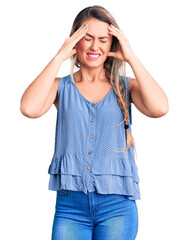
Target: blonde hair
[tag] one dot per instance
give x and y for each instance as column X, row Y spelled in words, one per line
column 113, row 67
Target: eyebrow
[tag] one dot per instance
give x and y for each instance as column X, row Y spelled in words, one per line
column 99, row 37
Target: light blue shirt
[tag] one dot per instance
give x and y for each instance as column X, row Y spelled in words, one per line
column 86, row 141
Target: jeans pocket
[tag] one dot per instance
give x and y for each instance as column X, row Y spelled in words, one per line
column 64, row 192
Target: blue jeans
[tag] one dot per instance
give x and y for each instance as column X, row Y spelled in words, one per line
column 81, row 216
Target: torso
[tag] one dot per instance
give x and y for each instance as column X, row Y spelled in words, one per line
column 92, row 92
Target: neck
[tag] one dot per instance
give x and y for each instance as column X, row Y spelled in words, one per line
column 91, row 75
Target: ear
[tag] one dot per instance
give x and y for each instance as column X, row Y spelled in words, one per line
column 75, row 47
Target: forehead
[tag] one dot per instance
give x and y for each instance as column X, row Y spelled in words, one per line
column 96, row 27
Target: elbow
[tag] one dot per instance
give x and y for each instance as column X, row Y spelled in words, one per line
column 27, row 113
column 27, row 110
column 165, row 109
column 162, row 112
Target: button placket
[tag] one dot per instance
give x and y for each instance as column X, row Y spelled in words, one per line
column 90, row 142
column 91, row 133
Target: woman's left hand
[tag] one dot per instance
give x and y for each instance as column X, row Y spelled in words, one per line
column 125, row 52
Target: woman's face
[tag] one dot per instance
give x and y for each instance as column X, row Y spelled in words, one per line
column 93, row 48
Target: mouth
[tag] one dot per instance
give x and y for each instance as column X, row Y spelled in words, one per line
column 93, row 56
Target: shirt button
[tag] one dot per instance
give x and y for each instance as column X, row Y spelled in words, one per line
column 91, row 136
column 88, row 167
column 93, row 104
column 92, row 120
column 90, row 152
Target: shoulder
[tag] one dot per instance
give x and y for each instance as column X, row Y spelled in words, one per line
column 57, row 85
column 132, row 83
column 56, row 82
column 128, row 81
column 60, row 81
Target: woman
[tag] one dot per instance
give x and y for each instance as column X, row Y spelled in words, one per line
column 96, row 183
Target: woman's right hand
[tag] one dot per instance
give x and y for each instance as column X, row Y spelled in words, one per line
column 66, row 51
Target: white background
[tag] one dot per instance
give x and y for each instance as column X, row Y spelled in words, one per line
column 31, row 34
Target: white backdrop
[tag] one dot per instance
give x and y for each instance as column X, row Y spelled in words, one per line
column 31, row 34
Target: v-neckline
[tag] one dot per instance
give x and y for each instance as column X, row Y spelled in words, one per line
column 87, row 99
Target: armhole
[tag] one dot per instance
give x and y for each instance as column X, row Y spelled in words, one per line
column 127, row 95
column 129, row 105
column 60, row 90
column 59, row 86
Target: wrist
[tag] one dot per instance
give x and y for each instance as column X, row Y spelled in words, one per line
column 60, row 57
column 132, row 59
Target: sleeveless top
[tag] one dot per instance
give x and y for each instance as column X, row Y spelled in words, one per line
column 86, row 141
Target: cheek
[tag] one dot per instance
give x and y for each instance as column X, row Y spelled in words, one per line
column 81, row 47
column 107, row 48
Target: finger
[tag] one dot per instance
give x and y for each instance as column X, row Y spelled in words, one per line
column 78, row 38
column 111, row 54
column 116, row 33
column 80, row 35
column 80, row 31
column 74, row 51
column 114, row 28
column 113, row 32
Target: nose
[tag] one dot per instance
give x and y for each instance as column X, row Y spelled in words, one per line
column 94, row 45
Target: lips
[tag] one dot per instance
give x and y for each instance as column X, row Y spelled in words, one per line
column 93, row 56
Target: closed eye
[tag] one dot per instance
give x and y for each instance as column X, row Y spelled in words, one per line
column 90, row 40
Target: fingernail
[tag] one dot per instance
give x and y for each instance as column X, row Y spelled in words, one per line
column 85, row 25
column 81, row 26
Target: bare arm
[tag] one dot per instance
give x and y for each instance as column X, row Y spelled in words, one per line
column 36, row 94
column 146, row 94
column 42, row 92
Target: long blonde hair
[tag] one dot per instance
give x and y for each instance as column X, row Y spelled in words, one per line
column 113, row 67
